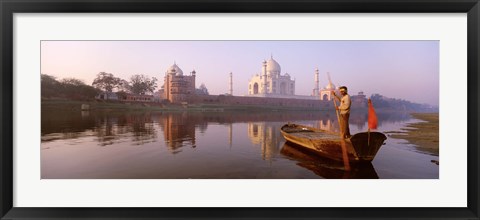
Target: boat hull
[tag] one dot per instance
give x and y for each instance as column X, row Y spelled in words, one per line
column 361, row 147
column 325, row 167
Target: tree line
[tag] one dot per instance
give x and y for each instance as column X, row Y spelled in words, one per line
column 71, row 88
column 383, row 102
column 139, row 84
column 68, row 88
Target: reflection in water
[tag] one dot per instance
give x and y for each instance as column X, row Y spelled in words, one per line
column 327, row 125
column 230, row 135
column 107, row 131
column 110, row 129
column 325, row 167
column 85, row 114
column 178, row 131
column 142, row 128
column 200, row 145
column 358, row 121
column 58, row 125
column 266, row 136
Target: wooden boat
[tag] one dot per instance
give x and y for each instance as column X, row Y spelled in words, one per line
column 329, row 144
column 325, row 167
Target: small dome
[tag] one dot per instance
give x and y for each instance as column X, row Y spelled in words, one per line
column 175, row 70
column 273, row 66
column 330, row 86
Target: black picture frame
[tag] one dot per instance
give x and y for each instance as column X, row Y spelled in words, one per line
column 9, row 7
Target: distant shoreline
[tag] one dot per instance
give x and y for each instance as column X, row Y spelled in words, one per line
column 425, row 134
column 101, row 105
column 75, row 105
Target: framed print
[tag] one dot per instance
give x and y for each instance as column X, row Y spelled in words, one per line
column 230, row 109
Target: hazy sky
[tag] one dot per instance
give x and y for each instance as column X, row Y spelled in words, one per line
column 397, row 69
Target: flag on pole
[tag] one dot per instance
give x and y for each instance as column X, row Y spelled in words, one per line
column 372, row 117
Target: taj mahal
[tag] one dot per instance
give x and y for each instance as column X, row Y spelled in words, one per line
column 272, row 83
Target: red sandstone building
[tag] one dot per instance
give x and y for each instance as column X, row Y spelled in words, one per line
column 177, row 87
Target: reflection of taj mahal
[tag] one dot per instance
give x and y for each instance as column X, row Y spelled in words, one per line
column 267, row 136
column 327, row 124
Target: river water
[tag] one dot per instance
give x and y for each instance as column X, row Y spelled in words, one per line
column 212, row 145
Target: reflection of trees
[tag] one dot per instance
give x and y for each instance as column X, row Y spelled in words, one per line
column 142, row 128
column 360, row 119
column 139, row 127
column 392, row 117
column 64, row 124
column 107, row 127
column 105, row 130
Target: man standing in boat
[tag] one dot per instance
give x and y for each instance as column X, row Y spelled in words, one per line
column 344, row 108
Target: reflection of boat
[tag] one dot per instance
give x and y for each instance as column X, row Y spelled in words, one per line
column 327, row 168
column 328, row 144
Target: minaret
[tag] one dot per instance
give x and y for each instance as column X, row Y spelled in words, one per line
column 265, row 77
column 192, row 81
column 231, row 84
column 317, row 83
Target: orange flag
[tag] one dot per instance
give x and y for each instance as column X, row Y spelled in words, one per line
column 372, row 117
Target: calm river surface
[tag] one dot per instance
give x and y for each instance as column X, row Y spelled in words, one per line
column 211, row 145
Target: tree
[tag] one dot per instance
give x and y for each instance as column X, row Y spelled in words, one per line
column 69, row 88
column 49, row 86
column 76, row 89
column 124, row 86
column 106, row 81
column 141, row 84
column 72, row 82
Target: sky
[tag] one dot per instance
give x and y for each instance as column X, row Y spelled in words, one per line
column 397, row 69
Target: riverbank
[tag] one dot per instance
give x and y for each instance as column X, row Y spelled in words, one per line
column 111, row 106
column 425, row 134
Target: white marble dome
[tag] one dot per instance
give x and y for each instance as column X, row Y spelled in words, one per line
column 273, row 66
column 175, row 70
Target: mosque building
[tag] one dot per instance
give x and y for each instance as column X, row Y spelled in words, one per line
column 326, row 92
column 177, row 87
column 270, row 82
